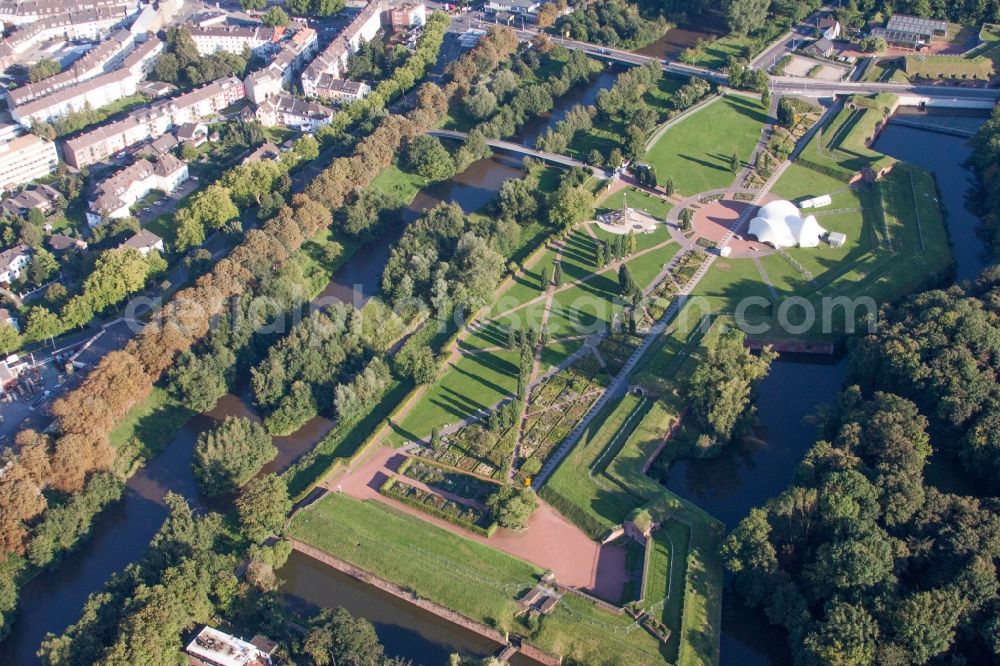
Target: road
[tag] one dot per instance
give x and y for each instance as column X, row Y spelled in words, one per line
column 779, row 84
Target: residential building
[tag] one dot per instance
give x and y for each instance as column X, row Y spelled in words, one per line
column 92, row 24
column 211, row 39
column 26, row 158
column 195, row 133
column 7, row 317
column 60, row 243
column 152, row 122
column 822, row 48
column 333, row 59
column 290, row 59
column 116, row 195
column 155, row 88
column 911, row 32
column 43, row 197
column 145, row 241
column 340, row 90
column 268, row 151
column 12, row 262
column 216, row 648
column 11, row 368
column 407, row 15
column 139, row 62
column 829, row 27
column 291, row 112
column 513, row 6
column 101, row 59
column 94, row 93
column 27, row 12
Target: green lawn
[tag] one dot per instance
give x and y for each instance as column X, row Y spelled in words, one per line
column 665, row 576
column 637, row 199
column 400, row 185
column 475, row 381
column 153, row 423
column 696, row 151
column 716, row 53
column 475, row 580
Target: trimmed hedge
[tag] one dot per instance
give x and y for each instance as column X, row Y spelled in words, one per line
column 388, row 489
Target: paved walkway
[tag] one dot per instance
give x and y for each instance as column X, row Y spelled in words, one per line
column 550, row 542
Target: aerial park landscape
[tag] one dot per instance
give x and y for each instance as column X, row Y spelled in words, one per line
column 560, row 346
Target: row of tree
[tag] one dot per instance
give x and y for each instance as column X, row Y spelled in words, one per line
column 614, row 23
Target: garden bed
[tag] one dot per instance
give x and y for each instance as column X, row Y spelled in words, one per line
column 452, row 481
column 471, row 518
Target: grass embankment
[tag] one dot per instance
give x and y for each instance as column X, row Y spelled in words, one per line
column 696, row 152
column 472, row 579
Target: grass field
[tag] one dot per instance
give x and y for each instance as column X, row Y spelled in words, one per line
column 474, row 382
column 698, row 159
column 716, row 53
column 637, row 199
column 472, row 579
column 153, row 423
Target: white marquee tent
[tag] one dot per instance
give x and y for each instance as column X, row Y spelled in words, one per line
column 779, row 224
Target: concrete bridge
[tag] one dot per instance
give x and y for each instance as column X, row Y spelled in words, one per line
column 516, row 148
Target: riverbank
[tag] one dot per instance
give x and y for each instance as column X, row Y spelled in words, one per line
column 368, row 578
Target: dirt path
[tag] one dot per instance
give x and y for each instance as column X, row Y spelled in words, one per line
column 550, row 542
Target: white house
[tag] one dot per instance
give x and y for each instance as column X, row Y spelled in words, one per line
column 117, row 194
column 513, row 6
column 212, row 646
column 291, row 112
column 235, row 39
column 13, row 261
column 26, row 158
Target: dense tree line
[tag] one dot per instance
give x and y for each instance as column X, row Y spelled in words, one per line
column 861, row 559
column 614, row 23
column 985, row 161
column 230, row 454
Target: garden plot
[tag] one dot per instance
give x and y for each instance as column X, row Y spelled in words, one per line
column 474, row 448
column 556, row 406
column 616, row 349
column 441, row 478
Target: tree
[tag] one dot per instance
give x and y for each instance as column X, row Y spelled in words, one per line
column 848, row 636
column 417, row 363
column 924, row 623
column 627, row 286
column 557, row 274
column 482, row 103
column 263, row 505
column 512, row 507
column 734, row 163
column 744, row 16
column 595, row 158
column 546, row 277
column 10, row 341
column 720, row 386
column 41, row 324
column 299, row 7
column 787, row 113
column 765, row 97
column 873, row 44
column 229, row 455
column 190, row 230
column 199, row 382
column 570, row 205
column 275, row 16
column 43, row 69
column 686, row 217
column 336, row 638
column 426, row 157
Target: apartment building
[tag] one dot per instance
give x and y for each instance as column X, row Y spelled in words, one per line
column 91, row 24
column 116, row 195
column 333, row 59
column 101, row 59
column 140, row 60
column 27, row 12
column 95, row 93
column 340, row 90
column 152, row 122
column 291, row 112
column 25, row 158
column 292, row 57
column 407, row 15
column 211, row 39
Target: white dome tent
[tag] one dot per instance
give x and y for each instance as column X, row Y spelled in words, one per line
column 779, row 224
